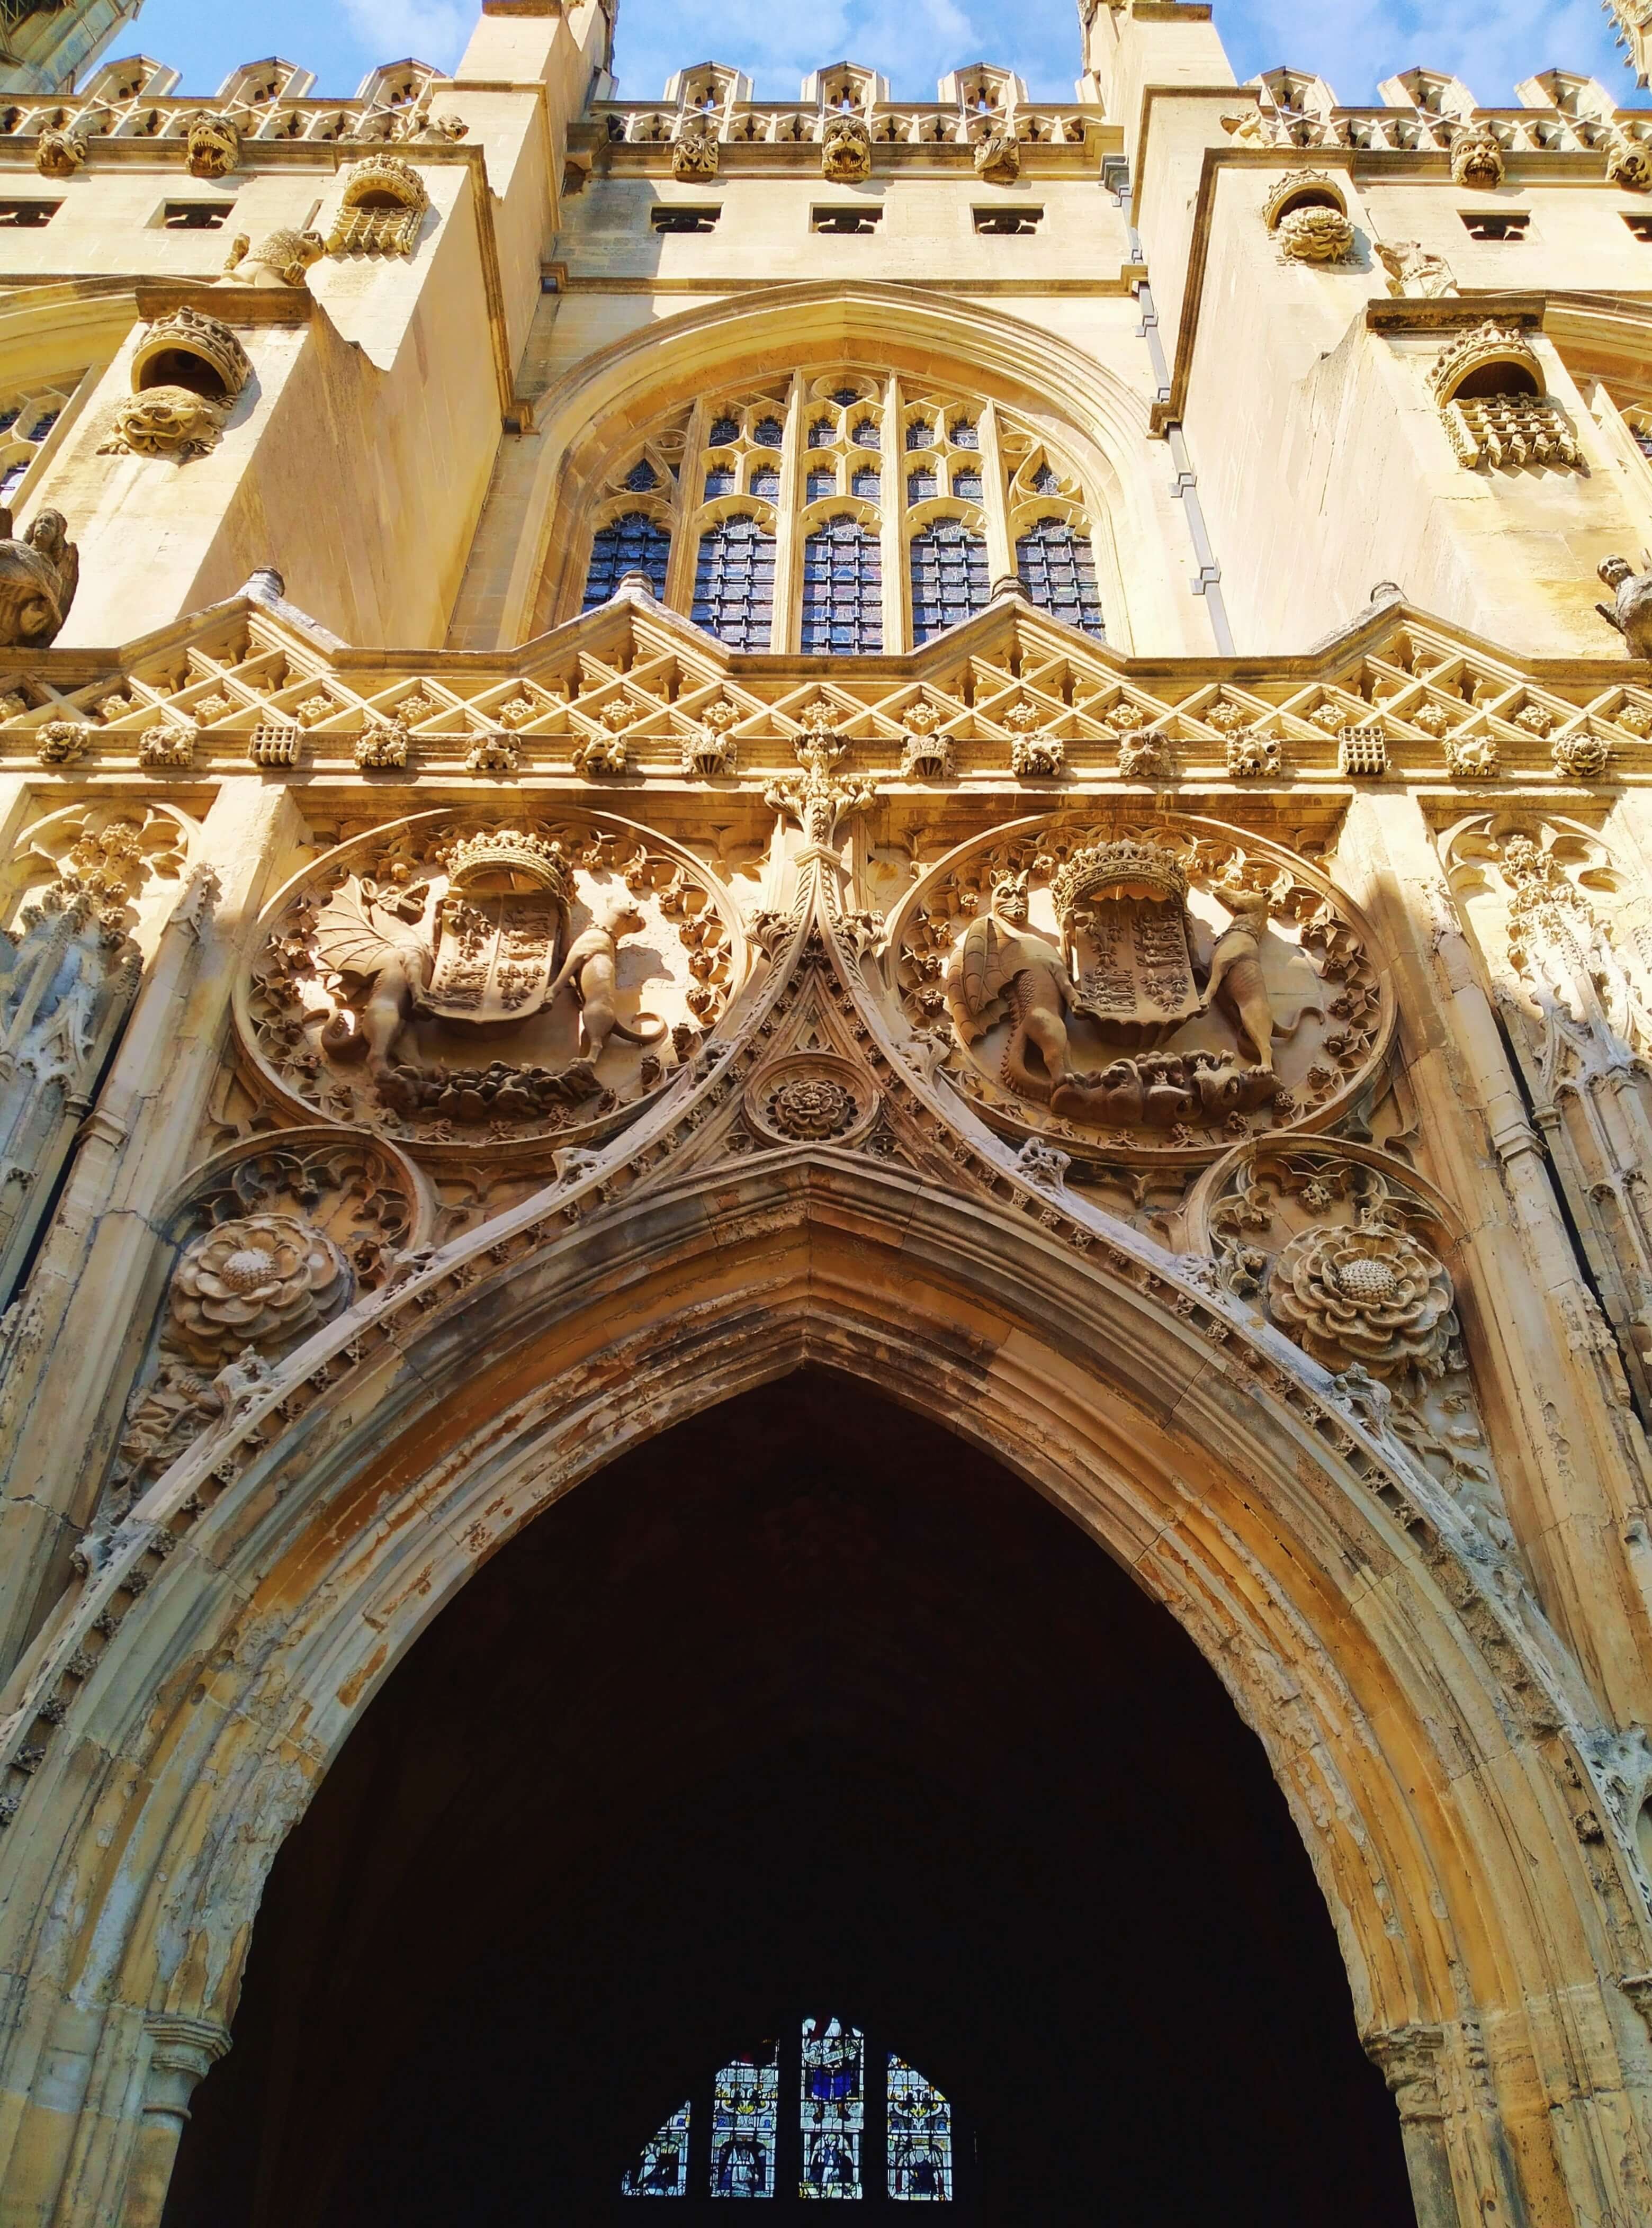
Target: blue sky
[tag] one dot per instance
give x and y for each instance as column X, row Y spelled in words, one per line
column 1489, row 44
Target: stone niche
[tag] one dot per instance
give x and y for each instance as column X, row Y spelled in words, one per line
column 188, row 372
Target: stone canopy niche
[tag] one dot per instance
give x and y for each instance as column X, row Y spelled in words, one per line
column 1164, row 992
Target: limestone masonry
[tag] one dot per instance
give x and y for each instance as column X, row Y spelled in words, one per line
column 1003, row 744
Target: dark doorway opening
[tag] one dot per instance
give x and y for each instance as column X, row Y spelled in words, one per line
column 804, row 1702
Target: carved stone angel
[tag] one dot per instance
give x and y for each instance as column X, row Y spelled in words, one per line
column 38, row 577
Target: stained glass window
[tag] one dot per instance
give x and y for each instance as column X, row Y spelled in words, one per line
column 822, row 484
column 663, row 2170
column 634, row 543
column 965, row 435
column 1045, row 482
column 822, row 433
column 642, row 479
column 949, row 576
column 765, row 482
column 720, row 480
column 723, row 430
column 865, row 434
column 832, row 2108
column 745, row 2106
column 868, row 483
column 920, row 2148
column 966, row 486
column 1058, row 570
column 920, row 485
column 733, row 584
column 842, row 590
column 843, row 396
column 920, row 434
column 768, row 433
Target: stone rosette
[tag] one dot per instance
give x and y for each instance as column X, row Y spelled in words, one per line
column 263, row 1280
column 1372, row 1294
column 812, row 1098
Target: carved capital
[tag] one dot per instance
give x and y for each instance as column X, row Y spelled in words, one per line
column 1408, row 2058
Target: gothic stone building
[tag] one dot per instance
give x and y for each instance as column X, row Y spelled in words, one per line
column 825, row 1138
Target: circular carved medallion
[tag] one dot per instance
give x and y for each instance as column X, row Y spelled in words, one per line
column 811, row 1098
column 458, row 982
column 1160, row 991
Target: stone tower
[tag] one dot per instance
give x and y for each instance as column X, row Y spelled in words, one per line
column 828, row 990
column 45, row 44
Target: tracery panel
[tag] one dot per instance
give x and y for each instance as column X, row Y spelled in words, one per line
column 632, row 543
column 949, row 576
column 733, row 588
column 843, row 588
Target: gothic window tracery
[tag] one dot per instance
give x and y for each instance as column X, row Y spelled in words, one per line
column 867, row 2126
column 847, row 512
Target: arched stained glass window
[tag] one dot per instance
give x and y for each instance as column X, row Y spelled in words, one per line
column 635, row 543
column 642, row 479
column 724, row 430
column 919, row 2154
column 869, row 2127
column 842, row 590
column 745, row 2104
column 866, row 434
column 920, row 484
column 733, row 584
column 920, row 434
column 1058, row 570
column 769, row 432
column 832, row 2108
column 720, row 480
column 765, row 482
column 949, row 576
column 822, row 433
column 663, row 2170
column 822, row 483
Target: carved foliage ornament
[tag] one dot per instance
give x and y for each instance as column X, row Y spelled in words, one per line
column 460, row 983
column 1165, row 991
column 695, row 153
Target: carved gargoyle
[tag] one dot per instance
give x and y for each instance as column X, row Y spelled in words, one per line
column 39, row 574
column 1632, row 612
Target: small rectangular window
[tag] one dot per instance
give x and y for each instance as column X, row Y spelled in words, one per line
column 195, row 216
column 1507, row 225
column 28, row 216
column 848, row 223
column 1639, row 224
column 678, row 219
column 1008, row 223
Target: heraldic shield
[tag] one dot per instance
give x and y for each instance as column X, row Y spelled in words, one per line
column 1124, row 912
column 500, row 931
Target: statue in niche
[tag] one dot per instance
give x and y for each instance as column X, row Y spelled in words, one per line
column 39, row 574
column 1125, row 975
column 1631, row 611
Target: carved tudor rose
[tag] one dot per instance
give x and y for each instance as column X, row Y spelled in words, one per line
column 1373, row 1295
column 473, row 985
column 811, row 1098
column 266, row 1280
column 1167, row 989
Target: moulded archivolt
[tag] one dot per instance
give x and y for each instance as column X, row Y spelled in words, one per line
column 486, row 979
column 1155, row 990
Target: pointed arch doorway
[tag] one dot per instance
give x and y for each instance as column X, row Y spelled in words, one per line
column 806, row 1704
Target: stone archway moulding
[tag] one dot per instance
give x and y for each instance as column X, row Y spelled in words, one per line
column 625, row 385
column 1426, row 1727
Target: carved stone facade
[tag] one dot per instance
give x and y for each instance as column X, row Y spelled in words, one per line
column 844, row 879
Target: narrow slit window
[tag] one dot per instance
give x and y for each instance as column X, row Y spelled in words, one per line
column 1639, row 224
column 28, row 216
column 846, row 223
column 635, row 543
column 1008, row 223
column 1507, row 226
column 685, row 219
column 195, row 216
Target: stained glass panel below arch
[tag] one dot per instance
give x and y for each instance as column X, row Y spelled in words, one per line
column 843, row 591
column 920, row 2148
column 948, row 577
column 733, row 585
column 832, row 2108
column 745, row 2108
column 663, row 2170
column 1058, row 570
column 634, row 543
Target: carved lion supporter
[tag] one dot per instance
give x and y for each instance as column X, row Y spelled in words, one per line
column 1631, row 611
